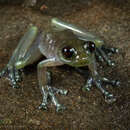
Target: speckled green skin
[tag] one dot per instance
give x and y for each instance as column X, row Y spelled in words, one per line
column 34, row 44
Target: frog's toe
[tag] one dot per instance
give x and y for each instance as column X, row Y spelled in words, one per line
column 109, row 98
column 102, row 56
column 15, row 85
column 117, row 83
column 12, row 75
column 18, row 76
column 60, row 91
column 98, row 56
column 110, row 51
column 86, row 88
column 60, row 108
column 13, row 81
column 112, row 82
column 43, row 106
column 48, row 93
column 88, row 85
column 54, row 100
column 65, row 92
column 110, row 63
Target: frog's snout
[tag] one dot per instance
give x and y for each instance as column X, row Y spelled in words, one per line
column 90, row 46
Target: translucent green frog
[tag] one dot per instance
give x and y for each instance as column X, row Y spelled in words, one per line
column 64, row 44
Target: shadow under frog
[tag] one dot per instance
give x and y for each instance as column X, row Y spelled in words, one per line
column 64, row 44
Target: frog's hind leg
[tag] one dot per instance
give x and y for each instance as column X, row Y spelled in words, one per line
column 25, row 53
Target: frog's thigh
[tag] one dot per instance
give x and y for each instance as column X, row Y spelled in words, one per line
column 24, row 45
column 31, row 56
column 29, row 53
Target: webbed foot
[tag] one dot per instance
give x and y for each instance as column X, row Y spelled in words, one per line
column 12, row 74
column 103, row 53
column 49, row 93
column 109, row 98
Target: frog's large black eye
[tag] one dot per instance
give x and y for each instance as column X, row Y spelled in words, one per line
column 90, row 46
column 68, row 52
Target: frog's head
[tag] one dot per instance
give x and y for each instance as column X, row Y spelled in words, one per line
column 76, row 52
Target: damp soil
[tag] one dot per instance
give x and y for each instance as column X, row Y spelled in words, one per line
column 85, row 110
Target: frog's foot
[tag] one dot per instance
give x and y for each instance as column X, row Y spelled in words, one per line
column 49, row 93
column 13, row 75
column 110, row 51
column 103, row 53
column 109, row 98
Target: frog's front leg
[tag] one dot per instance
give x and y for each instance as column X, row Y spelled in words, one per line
column 88, row 84
column 103, row 52
column 47, row 91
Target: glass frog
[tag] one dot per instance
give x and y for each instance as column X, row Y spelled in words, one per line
column 64, row 44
